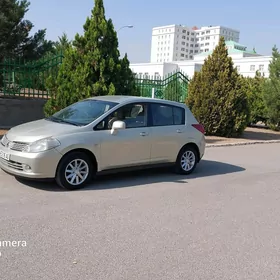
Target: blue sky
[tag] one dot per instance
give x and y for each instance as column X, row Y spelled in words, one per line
column 258, row 21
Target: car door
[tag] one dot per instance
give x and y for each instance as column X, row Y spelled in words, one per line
column 130, row 146
column 168, row 132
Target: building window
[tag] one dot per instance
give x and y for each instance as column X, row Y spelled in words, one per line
column 192, row 34
column 191, row 57
column 188, row 38
column 202, row 45
column 261, row 67
column 191, row 45
column 252, row 68
column 208, row 32
column 183, row 37
column 187, row 44
column 184, row 31
column 182, row 49
column 188, row 33
column 186, row 56
column 196, row 51
column 207, row 38
column 183, row 43
column 192, row 39
column 206, row 44
column 191, row 51
column 196, row 45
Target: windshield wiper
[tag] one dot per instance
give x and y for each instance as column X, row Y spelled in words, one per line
column 54, row 119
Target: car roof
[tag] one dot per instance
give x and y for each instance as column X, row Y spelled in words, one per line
column 128, row 99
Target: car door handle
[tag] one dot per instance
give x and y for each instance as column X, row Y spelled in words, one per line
column 143, row 133
column 179, row 131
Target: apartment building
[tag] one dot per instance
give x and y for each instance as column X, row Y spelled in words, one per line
column 179, row 43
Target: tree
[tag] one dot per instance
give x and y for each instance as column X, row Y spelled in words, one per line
column 62, row 44
column 272, row 91
column 92, row 66
column 15, row 40
column 254, row 88
column 216, row 96
column 128, row 82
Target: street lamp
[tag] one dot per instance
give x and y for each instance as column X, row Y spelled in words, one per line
column 125, row 26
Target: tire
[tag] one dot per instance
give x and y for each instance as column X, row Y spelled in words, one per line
column 80, row 180
column 181, row 166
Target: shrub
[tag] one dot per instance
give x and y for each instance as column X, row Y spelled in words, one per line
column 217, row 97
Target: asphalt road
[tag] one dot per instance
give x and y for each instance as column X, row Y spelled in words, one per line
column 223, row 222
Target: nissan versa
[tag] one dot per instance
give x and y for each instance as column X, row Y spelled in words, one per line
column 104, row 133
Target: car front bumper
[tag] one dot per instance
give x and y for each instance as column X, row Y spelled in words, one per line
column 30, row 165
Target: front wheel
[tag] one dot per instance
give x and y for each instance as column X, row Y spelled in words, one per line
column 74, row 171
column 186, row 161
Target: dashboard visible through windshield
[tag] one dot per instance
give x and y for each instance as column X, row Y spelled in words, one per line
column 83, row 112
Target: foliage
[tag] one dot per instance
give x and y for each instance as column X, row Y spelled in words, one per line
column 216, row 95
column 15, row 40
column 254, row 89
column 92, row 65
column 272, row 91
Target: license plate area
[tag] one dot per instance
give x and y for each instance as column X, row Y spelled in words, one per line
column 4, row 155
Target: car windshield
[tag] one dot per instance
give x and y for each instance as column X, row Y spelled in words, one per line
column 83, row 112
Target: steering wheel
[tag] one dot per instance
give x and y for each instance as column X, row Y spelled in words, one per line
column 111, row 121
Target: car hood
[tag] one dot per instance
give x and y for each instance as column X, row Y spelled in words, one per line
column 36, row 130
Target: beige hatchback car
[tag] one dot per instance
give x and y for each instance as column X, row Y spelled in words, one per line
column 106, row 133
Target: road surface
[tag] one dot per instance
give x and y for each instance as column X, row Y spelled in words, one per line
column 222, row 222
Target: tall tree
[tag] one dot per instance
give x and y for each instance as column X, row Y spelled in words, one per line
column 15, row 40
column 93, row 66
column 254, row 88
column 216, row 96
column 272, row 91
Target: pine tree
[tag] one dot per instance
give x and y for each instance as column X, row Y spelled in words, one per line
column 128, row 82
column 92, row 66
column 15, row 39
column 216, row 95
column 272, row 91
column 254, row 88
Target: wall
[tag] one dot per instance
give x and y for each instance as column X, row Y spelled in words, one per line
column 17, row 111
column 189, row 67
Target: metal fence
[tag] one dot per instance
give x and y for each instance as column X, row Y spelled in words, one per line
column 28, row 79
column 173, row 86
column 20, row 78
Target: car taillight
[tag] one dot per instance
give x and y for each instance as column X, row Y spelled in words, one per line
column 199, row 127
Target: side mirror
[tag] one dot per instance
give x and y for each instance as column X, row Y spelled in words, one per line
column 117, row 125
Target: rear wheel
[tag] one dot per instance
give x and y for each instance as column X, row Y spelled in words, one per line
column 187, row 160
column 75, row 171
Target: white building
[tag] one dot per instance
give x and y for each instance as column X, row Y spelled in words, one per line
column 246, row 61
column 177, row 42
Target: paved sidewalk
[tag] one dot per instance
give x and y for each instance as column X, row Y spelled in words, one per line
column 250, row 136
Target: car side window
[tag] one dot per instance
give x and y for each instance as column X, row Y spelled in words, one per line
column 133, row 115
column 165, row 115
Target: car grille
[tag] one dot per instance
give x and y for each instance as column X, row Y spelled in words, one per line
column 12, row 164
column 15, row 146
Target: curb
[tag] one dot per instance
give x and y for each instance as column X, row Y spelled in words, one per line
column 242, row 143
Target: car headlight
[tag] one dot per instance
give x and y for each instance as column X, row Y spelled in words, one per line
column 42, row 145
